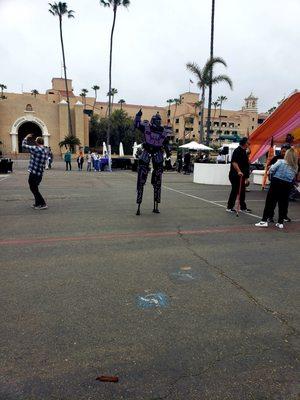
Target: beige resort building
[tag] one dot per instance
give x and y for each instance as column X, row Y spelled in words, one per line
column 47, row 115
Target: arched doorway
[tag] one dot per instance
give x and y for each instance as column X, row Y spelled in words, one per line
column 24, row 130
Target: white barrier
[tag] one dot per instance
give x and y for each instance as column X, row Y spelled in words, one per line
column 258, row 176
column 211, row 174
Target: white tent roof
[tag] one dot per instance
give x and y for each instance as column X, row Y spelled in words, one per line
column 195, row 146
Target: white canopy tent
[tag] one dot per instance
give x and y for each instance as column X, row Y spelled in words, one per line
column 195, row 146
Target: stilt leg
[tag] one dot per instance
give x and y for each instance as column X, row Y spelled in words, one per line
column 155, row 209
column 138, row 212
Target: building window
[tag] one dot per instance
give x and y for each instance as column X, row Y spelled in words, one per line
column 29, row 107
column 176, row 130
column 216, row 123
column 169, row 120
column 177, row 120
column 252, row 119
column 252, row 127
column 239, row 124
column 223, row 124
column 231, row 124
column 260, row 120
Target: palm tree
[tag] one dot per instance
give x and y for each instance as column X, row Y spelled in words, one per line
column 177, row 102
column 34, row 93
column 113, row 93
column 83, row 94
column 215, row 104
column 2, row 87
column 114, row 4
column 221, row 100
column 170, row 101
column 204, row 78
column 95, row 88
column 70, row 141
column 197, row 105
column 212, row 26
column 121, row 102
column 59, row 10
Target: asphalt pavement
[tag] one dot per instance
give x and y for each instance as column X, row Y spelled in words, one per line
column 191, row 303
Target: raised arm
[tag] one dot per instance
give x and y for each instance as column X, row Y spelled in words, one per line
column 27, row 146
column 138, row 121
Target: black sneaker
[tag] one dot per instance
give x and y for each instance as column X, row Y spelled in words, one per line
column 247, row 210
column 287, row 219
column 270, row 220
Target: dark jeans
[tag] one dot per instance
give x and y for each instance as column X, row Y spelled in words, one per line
column 235, row 186
column 278, row 193
column 68, row 163
column 34, row 181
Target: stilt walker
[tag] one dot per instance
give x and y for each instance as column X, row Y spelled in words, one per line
column 155, row 143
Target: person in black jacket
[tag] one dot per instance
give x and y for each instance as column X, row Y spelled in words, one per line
column 239, row 176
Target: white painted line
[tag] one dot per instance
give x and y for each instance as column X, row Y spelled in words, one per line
column 4, row 177
column 225, row 201
column 205, row 200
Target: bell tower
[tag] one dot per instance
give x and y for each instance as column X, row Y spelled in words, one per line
column 250, row 103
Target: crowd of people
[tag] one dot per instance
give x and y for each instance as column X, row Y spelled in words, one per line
column 94, row 161
column 283, row 171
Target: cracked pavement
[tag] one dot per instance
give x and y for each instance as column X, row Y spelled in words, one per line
column 70, row 275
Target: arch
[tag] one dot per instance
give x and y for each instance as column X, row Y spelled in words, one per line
column 26, row 128
column 20, row 121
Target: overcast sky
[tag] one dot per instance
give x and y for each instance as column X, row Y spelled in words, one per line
column 153, row 41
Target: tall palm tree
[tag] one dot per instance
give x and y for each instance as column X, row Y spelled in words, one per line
column 114, row 4
column 221, row 100
column 2, row 87
column 204, row 78
column 197, row 105
column 113, row 93
column 34, row 93
column 170, row 101
column 83, row 94
column 215, row 105
column 212, row 26
column 176, row 102
column 59, row 10
column 121, row 102
column 95, row 88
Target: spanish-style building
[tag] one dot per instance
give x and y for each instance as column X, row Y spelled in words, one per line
column 47, row 115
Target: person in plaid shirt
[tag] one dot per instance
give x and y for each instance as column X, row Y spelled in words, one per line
column 38, row 157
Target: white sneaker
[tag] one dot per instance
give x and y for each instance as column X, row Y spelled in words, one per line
column 280, row 226
column 41, row 207
column 230, row 210
column 262, row 224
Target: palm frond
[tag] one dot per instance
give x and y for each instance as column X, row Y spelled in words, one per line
column 105, row 3
column 222, row 78
column 209, row 65
column 195, row 69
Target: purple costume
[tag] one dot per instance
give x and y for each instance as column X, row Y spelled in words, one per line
column 154, row 144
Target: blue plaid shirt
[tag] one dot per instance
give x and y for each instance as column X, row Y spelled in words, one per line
column 38, row 157
column 281, row 170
